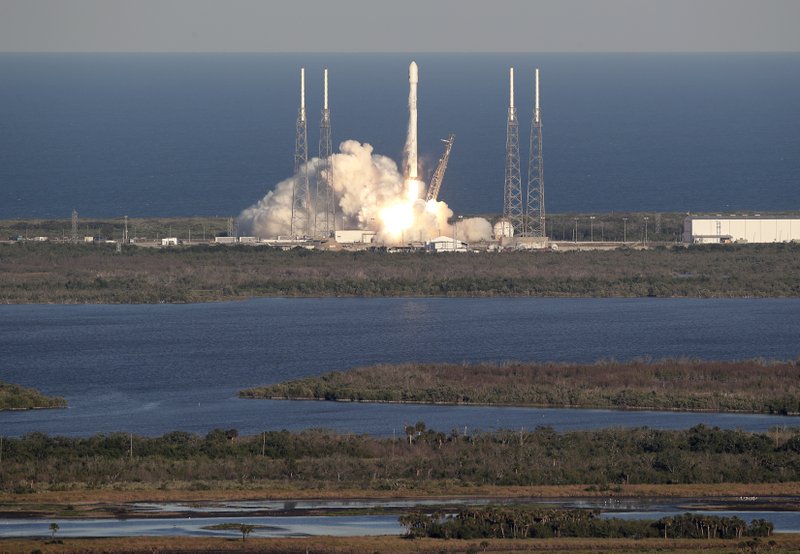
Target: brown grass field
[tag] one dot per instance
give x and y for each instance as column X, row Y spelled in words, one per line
column 369, row 545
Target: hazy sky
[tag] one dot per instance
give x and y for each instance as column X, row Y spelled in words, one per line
column 399, row 26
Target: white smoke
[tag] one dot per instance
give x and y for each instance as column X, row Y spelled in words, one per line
column 370, row 194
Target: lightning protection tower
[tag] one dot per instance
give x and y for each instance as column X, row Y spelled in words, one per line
column 325, row 171
column 512, row 198
column 534, row 208
column 301, row 201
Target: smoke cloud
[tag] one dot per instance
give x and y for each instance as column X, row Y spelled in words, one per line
column 370, row 194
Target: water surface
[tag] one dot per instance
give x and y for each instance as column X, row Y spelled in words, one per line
column 152, row 369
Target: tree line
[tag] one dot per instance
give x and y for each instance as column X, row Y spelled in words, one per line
column 17, row 397
column 522, row 522
column 68, row 273
column 690, row 385
column 421, row 458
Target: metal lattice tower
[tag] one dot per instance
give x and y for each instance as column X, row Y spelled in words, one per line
column 74, row 227
column 324, row 179
column 301, row 193
column 512, row 198
column 438, row 175
column 534, row 208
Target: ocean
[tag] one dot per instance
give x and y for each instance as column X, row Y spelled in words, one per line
column 210, row 134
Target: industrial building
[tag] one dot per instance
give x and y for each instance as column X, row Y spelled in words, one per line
column 749, row 229
column 446, row 244
column 354, row 236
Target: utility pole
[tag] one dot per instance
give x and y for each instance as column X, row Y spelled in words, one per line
column 624, row 230
column 74, row 227
column 575, row 234
column 591, row 227
column 125, row 232
column 646, row 218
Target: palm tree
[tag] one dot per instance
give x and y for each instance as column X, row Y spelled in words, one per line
column 245, row 530
column 666, row 522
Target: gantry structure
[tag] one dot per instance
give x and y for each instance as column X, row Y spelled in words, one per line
column 512, row 196
column 325, row 222
column 534, row 207
column 301, row 193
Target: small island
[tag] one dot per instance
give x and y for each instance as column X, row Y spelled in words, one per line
column 16, row 397
column 683, row 385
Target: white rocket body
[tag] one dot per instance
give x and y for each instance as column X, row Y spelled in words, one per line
column 411, row 141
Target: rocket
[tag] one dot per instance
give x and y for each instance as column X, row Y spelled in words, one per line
column 411, row 141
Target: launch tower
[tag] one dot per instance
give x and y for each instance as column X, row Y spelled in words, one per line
column 438, row 175
column 512, row 197
column 301, row 200
column 325, row 195
column 534, row 208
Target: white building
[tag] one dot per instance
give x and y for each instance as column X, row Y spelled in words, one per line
column 750, row 229
column 169, row 241
column 353, row 236
column 445, row 244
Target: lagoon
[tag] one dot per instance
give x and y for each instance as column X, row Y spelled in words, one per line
column 151, row 369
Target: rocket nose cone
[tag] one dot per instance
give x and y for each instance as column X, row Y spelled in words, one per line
column 413, row 75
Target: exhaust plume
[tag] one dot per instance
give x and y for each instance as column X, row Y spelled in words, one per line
column 371, row 194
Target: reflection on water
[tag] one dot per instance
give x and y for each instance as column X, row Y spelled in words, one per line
column 336, row 526
column 294, row 526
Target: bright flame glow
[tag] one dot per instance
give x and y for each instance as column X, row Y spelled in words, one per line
column 397, row 218
column 413, row 188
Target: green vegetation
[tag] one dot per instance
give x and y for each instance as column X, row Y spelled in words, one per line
column 522, row 522
column 244, row 528
column 421, row 460
column 689, row 385
column 67, row 273
column 15, row 397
